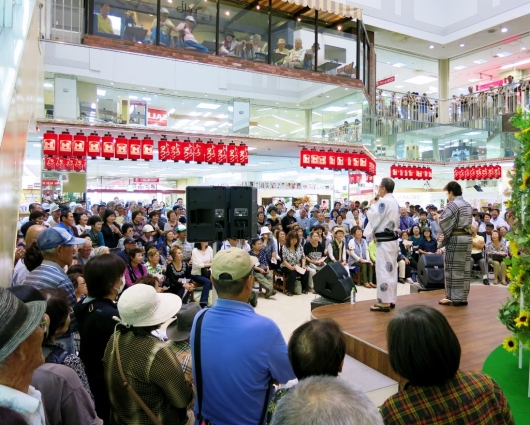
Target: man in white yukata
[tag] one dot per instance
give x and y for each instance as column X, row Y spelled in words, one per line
column 383, row 220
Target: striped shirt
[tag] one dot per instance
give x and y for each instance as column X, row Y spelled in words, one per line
column 470, row 398
column 51, row 275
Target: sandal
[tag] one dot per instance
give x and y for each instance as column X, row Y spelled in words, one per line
column 504, row 283
column 445, row 301
column 289, row 294
column 495, row 282
column 381, row 308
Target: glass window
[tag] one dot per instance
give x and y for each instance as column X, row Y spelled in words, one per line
column 338, row 48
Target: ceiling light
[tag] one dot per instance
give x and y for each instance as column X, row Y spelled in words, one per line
column 503, row 54
column 92, row 106
column 227, row 13
column 299, row 19
column 171, row 111
column 504, row 29
column 147, row 99
column 433, row 89
column 251, row 148
column 399, row 87
column 334, row 109
column 48, row 85
column 283, row 119
column 258, row 7
column 421, row 79
column 206, row 114
column 133, row 97
column 339, row 27
column 462, row 45
column 399, row 65
column 459, row 67
column 479, row 61
column 208, row 105
column 473, row 80
column 222, row 116
column 512, row 65
column 523, row 48
column 431, row 46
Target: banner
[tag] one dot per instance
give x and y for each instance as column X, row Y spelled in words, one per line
column 157, row 117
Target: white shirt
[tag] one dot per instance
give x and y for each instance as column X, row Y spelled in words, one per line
column 19, row 273
column 28, row 405
column 200, row 258
column 499, row 222
column 51, row 222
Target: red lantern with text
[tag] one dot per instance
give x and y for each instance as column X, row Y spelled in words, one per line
column 371, row 167
column 107, row 146
column 175, row 150
column 472, row 173
column 65, row 144
column 242, row 153
column 135, row 148
column 79, row 164
column 60, row 164
column 49, row 163
column 79, row 145
column 93, row 146
column 351, row 178
column 49, row 143
column 220, row 153
column 484, row 172
column 231, row 153
column 199, row 151
column 210, row 152
column 187, row 150
column 363, row 163
column 164, row 153
column 478, row 172
column 315, row 158
column 148, row 149
column 122, row 147
column 393, row 171
column 331, row 158
column 498, row 172
column 342, row 160
column 491, row 172
column 305, row 158
column 69, row 164
column 369, row 179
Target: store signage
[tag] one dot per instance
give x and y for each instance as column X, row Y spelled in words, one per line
column 337, row 160
column 480, row 172
column 49, row 182
column 146, row 180
column 486, row 86
column 36, row 185
column 386, row 81
column 157, row 117
column 410, row 172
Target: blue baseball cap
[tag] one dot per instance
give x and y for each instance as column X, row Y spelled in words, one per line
column 54, row 237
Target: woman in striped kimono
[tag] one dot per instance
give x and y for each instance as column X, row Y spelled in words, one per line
column 455, row 225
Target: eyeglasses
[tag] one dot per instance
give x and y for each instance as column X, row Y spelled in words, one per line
column 45, row 324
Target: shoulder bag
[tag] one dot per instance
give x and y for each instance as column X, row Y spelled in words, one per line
column 133, row 393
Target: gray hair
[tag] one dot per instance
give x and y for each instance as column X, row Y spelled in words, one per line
column 388, row 184
column 343, row 404
column 49, row 252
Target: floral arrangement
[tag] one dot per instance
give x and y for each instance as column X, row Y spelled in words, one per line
column 515, row 314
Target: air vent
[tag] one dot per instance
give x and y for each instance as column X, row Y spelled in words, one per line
column 491, row 31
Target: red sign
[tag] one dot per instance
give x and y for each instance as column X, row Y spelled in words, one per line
column 80, row 145
column 385, row 81
column 157, row 117
column 486, row 86
column 45, row 183
column 164, row 152
column 146, row 180
column 199, row 152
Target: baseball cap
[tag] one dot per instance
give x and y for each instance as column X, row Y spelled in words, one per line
column 431, row 207
column 128, row 240
column 164, row 10
column 180, row 228
column 54, row 237
column 148, row 228
column 190, row 18
column 180, row 329
column 54, row 207
column 45, row 206
column 232, row 264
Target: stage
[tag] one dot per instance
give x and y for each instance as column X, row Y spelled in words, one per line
column 476, row 325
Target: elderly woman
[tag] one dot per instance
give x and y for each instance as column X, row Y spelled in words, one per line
column 136, row 267
column 104, row 279
column 172, row 221
column 337, row 250
column 424, row 350
column 154, row 267
column 96, row 237
column 293, row 264
column 134, row 355
column 360, row 257
column 497, row 251
column 110, row 229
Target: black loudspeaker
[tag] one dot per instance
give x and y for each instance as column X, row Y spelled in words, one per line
column 207, row 218
column 333, row 282
column 431, row 271
column 243, row 212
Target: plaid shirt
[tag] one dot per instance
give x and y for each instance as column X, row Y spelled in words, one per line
column 187, row 248
column 470, row 398
column 182, row 352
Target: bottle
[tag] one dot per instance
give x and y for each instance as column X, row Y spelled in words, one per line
column 352, row 295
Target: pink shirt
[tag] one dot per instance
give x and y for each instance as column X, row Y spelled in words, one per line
column 188, row 36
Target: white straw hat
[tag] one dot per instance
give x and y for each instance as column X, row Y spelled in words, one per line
column 141, row 305
column 264, row 230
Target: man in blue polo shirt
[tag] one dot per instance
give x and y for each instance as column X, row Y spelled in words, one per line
column 242, row 353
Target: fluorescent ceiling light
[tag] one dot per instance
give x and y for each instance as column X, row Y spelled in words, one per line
column 504, row 54
column 222, row 116
column 334, row 108
column 504, row 29
column 431, row 46
column 462, row 45
column 510, row 65
column 399, row 65
column 101, row 92
column 208, row 105
column 252, row 148
column 283, row 119
column 195, row 114
column 421, row 79
column 399, row 87
column 473, row 80
column 479, row 61
column 48, row 85
column 459, row 67
column 268, row 129
column 473, row 133
column 171, row 111
column 264, row 109
column 147, row 99
column 433, row 89
column 92, row 106
column 296, row 131
column 316, row 113
column 133, row 97
column 206, row 114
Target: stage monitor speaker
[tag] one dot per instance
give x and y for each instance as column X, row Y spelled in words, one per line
column 242, row 212
column 333, row 282
column 207, row 218
column 431, row 271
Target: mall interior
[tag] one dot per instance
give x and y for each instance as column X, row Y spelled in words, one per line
column 427, row 85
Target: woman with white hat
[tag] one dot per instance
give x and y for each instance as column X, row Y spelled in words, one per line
column 145, row 381
column 269, row 245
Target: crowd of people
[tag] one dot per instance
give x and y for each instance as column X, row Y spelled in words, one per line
column 91, row 312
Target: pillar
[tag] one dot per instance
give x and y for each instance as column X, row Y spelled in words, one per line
column 240, row 116
column 65, row 99
column 308, row 123
column 443, row 91
column 435, row 149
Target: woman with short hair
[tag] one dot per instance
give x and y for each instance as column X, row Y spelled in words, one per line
column 293, row 264
column 497, row 251
column 110, row 229
column 424, row 350
column 136, row 267
column 201, row 264
column 360, row 257
column 96, row 237
column 178, row 275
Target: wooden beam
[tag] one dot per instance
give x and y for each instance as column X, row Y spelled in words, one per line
column 243, row 12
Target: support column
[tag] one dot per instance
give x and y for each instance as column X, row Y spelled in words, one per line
column 65, row 99
column 308, row 123
column 443, row 91
column 240, row 116
column 435, row 149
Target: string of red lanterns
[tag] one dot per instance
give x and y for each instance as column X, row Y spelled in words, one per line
column 337, row 160
column 355, row 178
column 64, row 146
column 410, row 172
column 478, row 172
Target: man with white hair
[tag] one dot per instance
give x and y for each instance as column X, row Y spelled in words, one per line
column 166, row 27
column 295, row 59
column 343, row 404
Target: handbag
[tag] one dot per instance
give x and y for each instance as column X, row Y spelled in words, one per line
column 133, row 393
column 498, row 257
column 205, row 272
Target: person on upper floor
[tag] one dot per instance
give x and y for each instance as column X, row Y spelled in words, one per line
column 165, row 29
column 281, row 49
column 229, row 44
column 189, row 39
column 295, row 58
column 310, row 57
column 110, row 229
column 104, row 24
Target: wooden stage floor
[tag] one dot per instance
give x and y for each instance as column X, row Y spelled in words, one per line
column 476, row 325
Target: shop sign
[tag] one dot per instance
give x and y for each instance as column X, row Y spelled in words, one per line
column 146, row 180
column 48, row 182
column 386, row 81
column 157, row 117
column 486, row 86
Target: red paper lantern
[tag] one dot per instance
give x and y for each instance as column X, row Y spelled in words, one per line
column 369, row 179
column 187, row 150
column 135, row 148
column 491, row 171
column 472, row 173
column 429, row 173
column 122, row 147
column 305, row 158
column 65, row 144
column 242, row 151
column 484, row 172
column 331, row 159
column 363, row 163
column 164, row 153
column 498, row 172
column 148, row 149
column 232, row 153
column 199, row 151
column 60, row 164
column 107, row 146
column 49, row 143
column 351, row 178
column 456, row 173
column 371, row 167
column 210, row 152
column 80, row 145
column 80, row 164
column 393, row 171
column 175, row 150
column 49, row 163
column 341, row 160
column 93, row 145
column 322, row 161
column 69, row 164
column 220, row 153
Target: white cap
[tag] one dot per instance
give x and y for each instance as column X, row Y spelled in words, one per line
column 264, row 230
column 54, row 207
column 190, row 18
column 148, row 228
column 164, row 10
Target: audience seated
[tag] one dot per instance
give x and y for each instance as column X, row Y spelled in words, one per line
column 104, row 24
column 359, row 256
column 424, row 350
column 165, row 28
column 325, row 400
column 295, row 58
column 186, row 29
column 477, row 253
